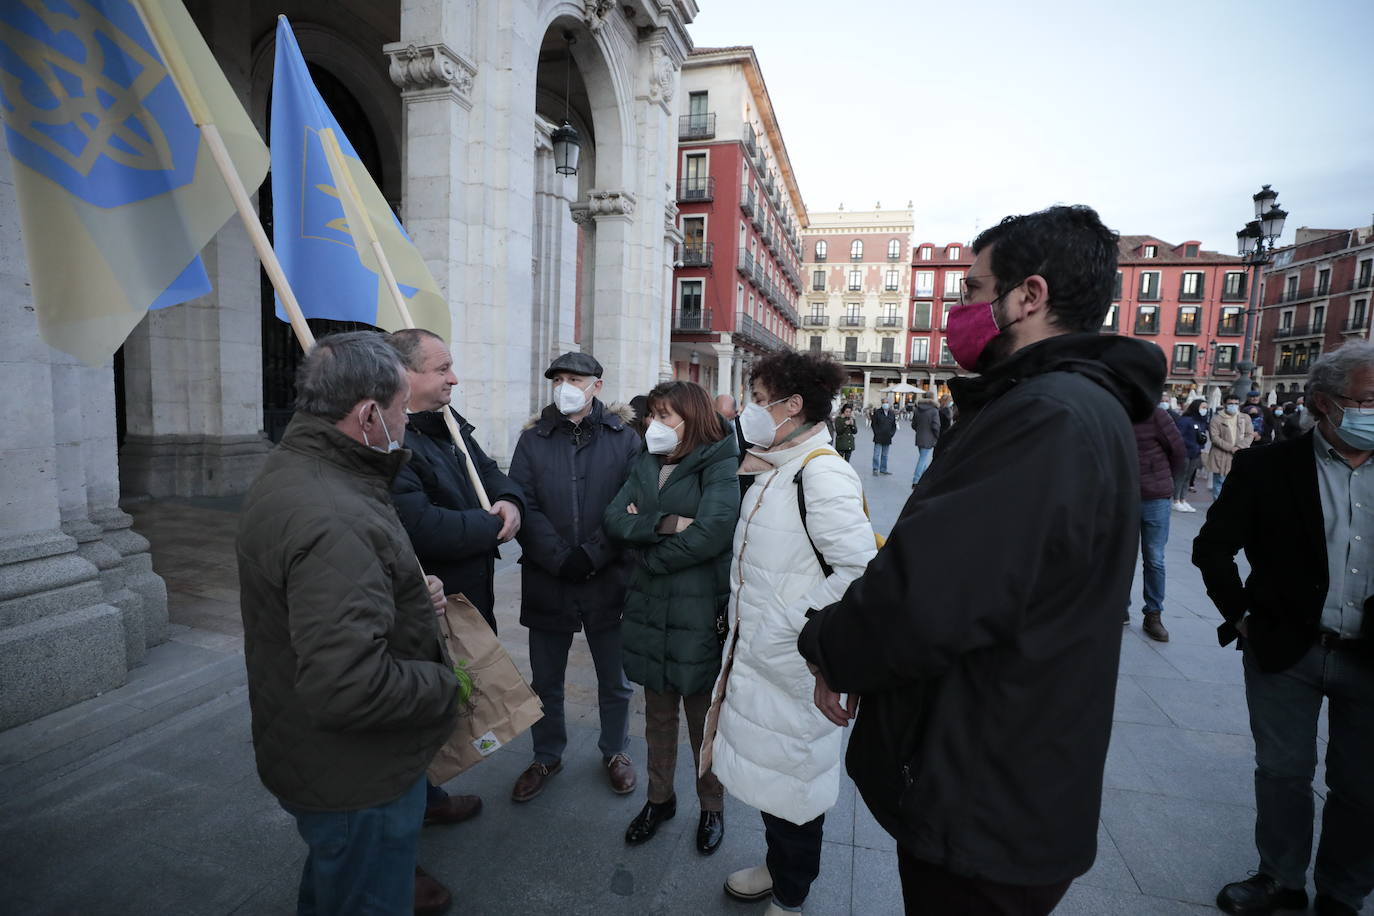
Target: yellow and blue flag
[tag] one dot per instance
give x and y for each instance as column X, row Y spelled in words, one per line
column 117, row 190
column 327, row 210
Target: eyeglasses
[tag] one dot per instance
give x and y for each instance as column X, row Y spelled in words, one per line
column 963, row 286
column 1364, row 407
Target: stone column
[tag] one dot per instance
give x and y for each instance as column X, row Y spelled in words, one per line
column 193, row 372
column 554, row 264
column 868, row 380
column 727, row 374
column 60, row 641
column 616, row 322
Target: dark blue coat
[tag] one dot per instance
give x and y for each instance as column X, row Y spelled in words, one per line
column 569, row 474
column 1193, row 432
column 454, row 537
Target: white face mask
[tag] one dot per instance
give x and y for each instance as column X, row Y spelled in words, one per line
column 660, row 438
column 391, row 444
column 569, row 398
column 757, row 423
column 1165, row 405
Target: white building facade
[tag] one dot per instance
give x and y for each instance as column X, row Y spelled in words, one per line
column 450, row 103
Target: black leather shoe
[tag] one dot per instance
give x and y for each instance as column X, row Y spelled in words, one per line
column 646, row 822
column 1259, row 896
column 1330, row 906
column 710, row 831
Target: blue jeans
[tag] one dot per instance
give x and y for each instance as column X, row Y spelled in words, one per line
column 361, row 862
column 1284, row 707
column 549, row 666
column 880, row 456
column 922, row 462
column 1217, row 481
column 1154, row 534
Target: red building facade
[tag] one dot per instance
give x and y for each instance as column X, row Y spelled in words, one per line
column 1316, row 296
column 936, row 275
column 1189, row 302
column 737, row 276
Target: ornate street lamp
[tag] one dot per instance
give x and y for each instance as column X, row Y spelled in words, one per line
column 1255, row 243
column 567, row 145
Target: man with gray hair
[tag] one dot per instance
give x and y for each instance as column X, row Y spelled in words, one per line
column 350, row 689
column 1303, row 512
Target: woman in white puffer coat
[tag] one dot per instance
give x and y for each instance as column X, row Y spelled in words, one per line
column 766, row 740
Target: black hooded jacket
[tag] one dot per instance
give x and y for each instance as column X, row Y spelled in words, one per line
column 454, row 537
column 987, row 658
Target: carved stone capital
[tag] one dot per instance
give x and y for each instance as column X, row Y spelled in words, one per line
column 662, row 76
column 594, row 13
column 601, row 204
column 433, row 71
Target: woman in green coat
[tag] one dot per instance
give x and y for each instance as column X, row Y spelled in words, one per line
column 678, row 511
column 845, row 431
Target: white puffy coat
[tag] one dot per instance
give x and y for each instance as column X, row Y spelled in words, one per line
column 772, row 748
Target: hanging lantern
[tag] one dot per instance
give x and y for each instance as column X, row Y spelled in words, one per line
column 567, row 148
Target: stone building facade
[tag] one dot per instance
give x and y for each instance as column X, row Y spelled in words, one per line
column 451, row 104
column 858, row 291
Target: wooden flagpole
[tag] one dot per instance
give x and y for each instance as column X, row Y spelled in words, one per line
column 160, row 33
column 340, row 167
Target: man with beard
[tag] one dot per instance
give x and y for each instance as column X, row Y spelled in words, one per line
column 987, row 659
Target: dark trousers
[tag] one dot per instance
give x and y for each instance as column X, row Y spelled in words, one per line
column 794, row 857
column 929, row 890
column 661, row 732
column 1284, row 708
column 549, row 665
column 360, row 862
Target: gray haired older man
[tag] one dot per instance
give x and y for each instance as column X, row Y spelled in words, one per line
column 1303, row 511
column 350, row 690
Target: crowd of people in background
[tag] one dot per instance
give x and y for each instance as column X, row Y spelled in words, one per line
column 723, row 560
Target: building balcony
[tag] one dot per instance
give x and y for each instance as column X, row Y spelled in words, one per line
column 745, row 264
column 852, row 321
column 850, row 356
column 692, row 321
column 885, row 358
column 1356, row 325
column 1363, row 282
column 820, row 258
column 1233, row 296
column 1152, row 296
column 1230, row 329
column 918, row 363
column 856, row 257
column 1190, row 297
column 815, row 321
column 855, row 288
column 1300, row 330
column 699, row 254
column 1188, row 330
column 751, row 147
column 696, row 190
column 947, row 361
column 746, row 201
column 1178, row 368
column 890, row 323
column 1151, row 328
column 894, row 257
column 701, row 126
column 757, row 217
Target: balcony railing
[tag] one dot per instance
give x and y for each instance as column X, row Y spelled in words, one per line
column 745, row 264
column 1364, row 282
column 750, row 146
column 1356, row 324
column 1185, row 296
column 1238, row 296
column 757, row 217
column 1147, row 327
column 746, row 200
column 1188, row 329
column 1150, row 295
column 855, row 257
column 890, row 322
column 701, row 254
column 700, row 126
column 1316, row 329
column 1234, row 327
column 850, row 356
column 815, row 321
column 692, row 321
column 894, row 257
column 886, row 358
column 701, row 188
column 918, row 362
column 821, row 257
column 1178, row 367
column 947, row 360
column 851, row 321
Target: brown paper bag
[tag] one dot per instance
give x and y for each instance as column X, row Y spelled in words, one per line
column 502, row 705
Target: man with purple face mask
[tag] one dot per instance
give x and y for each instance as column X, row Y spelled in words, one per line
column 999, row 641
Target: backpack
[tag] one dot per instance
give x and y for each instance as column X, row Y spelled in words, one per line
column 801, row 508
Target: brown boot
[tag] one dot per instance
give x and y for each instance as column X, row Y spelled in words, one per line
column 531, row 782
column 1154, row 628
column 621, row 772
column 454, row 810
column 430, row 895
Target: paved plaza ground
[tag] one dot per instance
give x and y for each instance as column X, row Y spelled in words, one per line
column 146, row 801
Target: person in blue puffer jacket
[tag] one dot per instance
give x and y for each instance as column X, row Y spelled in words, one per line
column 1192, row 428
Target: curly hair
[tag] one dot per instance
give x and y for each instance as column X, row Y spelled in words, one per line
column 1068, row 246
column 817, row 378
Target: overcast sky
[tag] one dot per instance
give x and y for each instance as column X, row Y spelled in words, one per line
column 1165, row 117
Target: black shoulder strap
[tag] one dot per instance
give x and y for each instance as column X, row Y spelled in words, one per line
column 801, row 508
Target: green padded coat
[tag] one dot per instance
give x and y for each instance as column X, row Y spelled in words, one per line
column 679, row 580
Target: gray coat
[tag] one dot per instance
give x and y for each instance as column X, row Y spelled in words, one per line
column 927, row 424
column 568, row 476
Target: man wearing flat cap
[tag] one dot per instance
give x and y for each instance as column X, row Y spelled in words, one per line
column 570, row 462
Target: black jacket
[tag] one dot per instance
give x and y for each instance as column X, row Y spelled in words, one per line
column 884, row 426
column 927, row 425
column 987, row 660
column 454, row 537
column 1272, row 509
column 568, row 475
